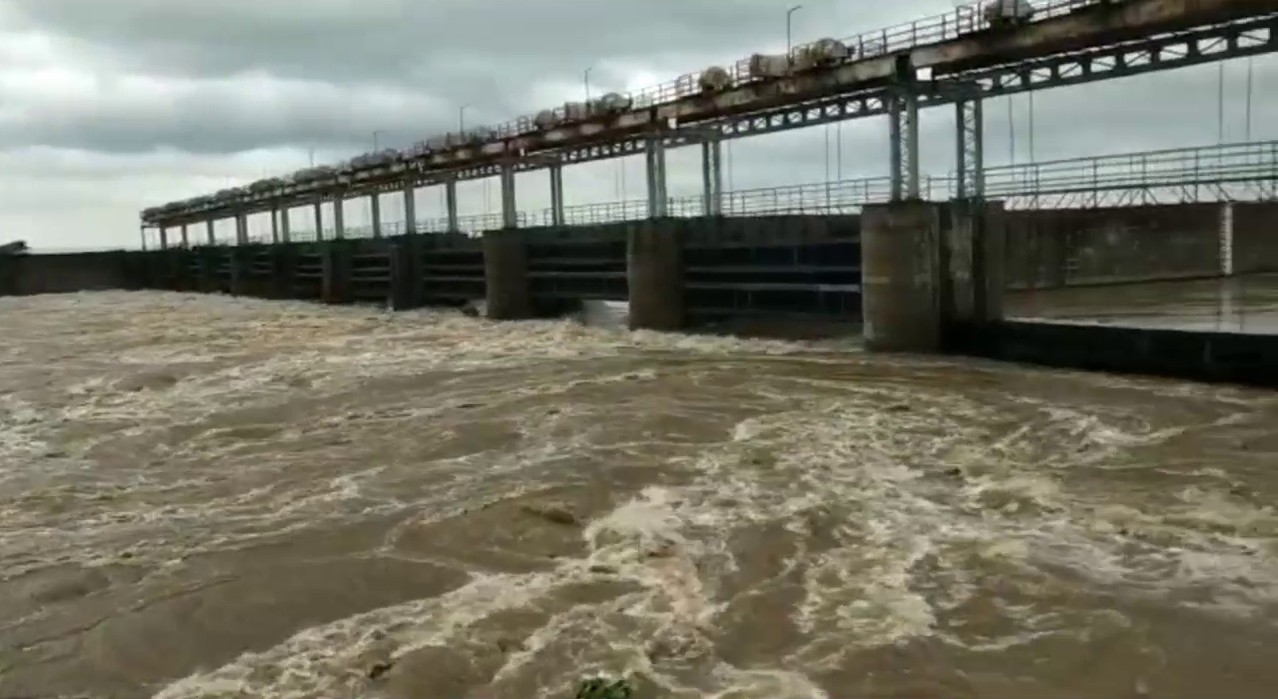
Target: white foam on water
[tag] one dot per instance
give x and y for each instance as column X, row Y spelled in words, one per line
column 885, row 529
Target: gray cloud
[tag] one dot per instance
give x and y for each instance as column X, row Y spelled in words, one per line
column 107, row 107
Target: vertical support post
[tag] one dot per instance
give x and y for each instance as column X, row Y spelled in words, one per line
column 509, row 212
column 375, row 212
column 142, row 236
column 241, row 229
column 319, row 221
column 655, row 171
column 186, row 241
column 557, row 194
column 450, row 204
column 903, row 115
column 286, row 235
column 209, row 232
column 164, row 238
column 410, row 208
column 970, row 123
column 712, row 174
column 506, row 275
column 275, row 225
column 339, row 218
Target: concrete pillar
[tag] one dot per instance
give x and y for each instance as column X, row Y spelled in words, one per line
column 506, row 274
column 241, row 260
column 557, row 194
column 164, row 238
column 283, row 271
column 286, row 235
column 375, row 213
column 209, row 232
column 655, row 171
column 339, row 219
column 900, row 276
column 241, row 229
column 972, row 258
column 319, row 221
column 186, row 241
column 335, row 258
column 407, row 287
column 208, row 263
column 450, row 204
column 712, row 175
column 654, row 272
column 410, row 208
column 275, row 226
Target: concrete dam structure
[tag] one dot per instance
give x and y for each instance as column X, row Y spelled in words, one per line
column 919, row 276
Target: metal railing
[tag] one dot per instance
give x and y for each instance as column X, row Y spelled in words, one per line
column 1226, row 172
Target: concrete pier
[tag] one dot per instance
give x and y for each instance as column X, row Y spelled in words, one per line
column 654, row 274
column 241, row 270
column 407, row 285
column 973, row 262
column 901, row 276
column 336, row 262
column 506, row 273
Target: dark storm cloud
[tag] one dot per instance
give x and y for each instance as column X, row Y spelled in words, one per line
column 502, row 58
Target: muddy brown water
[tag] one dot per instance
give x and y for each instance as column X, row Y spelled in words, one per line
column 211, row 497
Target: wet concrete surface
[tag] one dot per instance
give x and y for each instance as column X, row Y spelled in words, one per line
column 1243, row 304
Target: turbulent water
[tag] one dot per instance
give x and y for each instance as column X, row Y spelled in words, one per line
column 211, row 497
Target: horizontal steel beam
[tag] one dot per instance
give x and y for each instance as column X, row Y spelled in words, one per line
column 1169, row 51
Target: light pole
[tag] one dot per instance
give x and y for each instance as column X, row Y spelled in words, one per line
column 788, row 15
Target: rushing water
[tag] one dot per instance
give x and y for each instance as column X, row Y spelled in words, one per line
column 211, row 497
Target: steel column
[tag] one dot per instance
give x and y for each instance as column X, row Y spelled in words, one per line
column 186, row 242
column 712, row 175
column 509, row 214
column 655, row 173
column 557, row 194
column 375, row 213
column 275, row 225
column 164, row 238
column 241, row 229
column 339, row 218
column 286, row 235
column 970, row 123
column 903, row 125
column 209, row 232
column 450, row 204
column 410, row 208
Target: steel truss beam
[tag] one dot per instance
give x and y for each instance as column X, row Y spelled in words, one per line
column 1166, row 52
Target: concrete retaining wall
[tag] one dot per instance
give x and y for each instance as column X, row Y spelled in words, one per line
column 1067, row 247
column 1255, row 237
column 1250, row 359
column 65, row 273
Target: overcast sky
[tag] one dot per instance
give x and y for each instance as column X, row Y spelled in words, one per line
column 110, row 106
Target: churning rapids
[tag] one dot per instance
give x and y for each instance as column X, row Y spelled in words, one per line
column 211, row 497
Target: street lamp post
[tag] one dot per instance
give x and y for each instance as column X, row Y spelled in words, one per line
column 789, row 14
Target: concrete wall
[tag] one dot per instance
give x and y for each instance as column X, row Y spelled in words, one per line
column 1066, row 247
column 54, row 274
column 1243, row 358
column 1255, row 237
